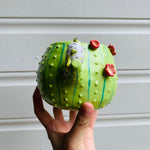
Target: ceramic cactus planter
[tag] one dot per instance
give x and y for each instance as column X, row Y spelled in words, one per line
column 72, row 72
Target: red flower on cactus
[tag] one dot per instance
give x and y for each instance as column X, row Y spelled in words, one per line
column 94, row 44
column 112, row 49
column 109, row 70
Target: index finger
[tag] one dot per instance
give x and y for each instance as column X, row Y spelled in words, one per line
column 44, row 117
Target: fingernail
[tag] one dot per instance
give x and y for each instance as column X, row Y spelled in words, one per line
column 86, row 111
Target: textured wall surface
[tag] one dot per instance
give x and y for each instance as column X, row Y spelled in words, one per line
column 28, row 27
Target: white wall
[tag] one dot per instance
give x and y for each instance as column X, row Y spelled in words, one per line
column 28, row 27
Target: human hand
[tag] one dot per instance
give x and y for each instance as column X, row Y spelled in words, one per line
column 75, row 134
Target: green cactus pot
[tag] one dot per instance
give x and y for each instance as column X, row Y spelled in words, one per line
column 72, row 72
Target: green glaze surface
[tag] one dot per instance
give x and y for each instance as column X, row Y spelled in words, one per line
column 84, row 83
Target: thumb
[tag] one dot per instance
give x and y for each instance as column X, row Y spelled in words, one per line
column 82, row 122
